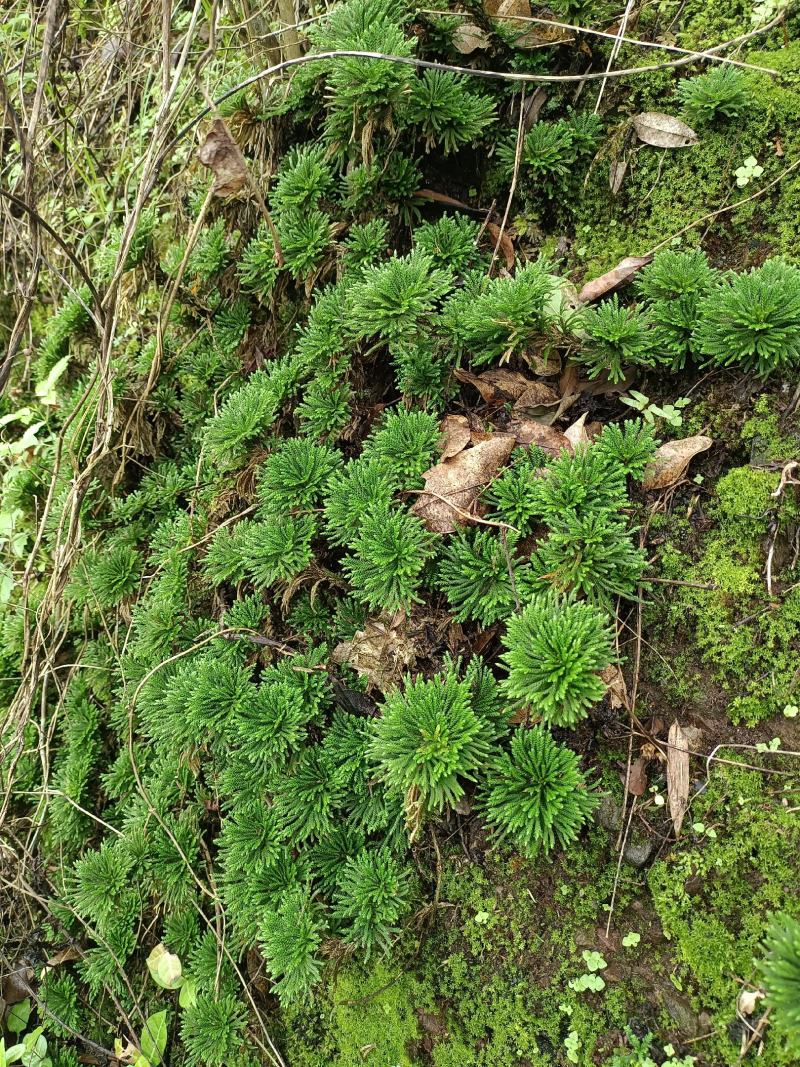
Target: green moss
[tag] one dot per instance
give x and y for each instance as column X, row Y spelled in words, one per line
column 713, row 895
column 727, row 620
column 768, row 441
column 664, row 191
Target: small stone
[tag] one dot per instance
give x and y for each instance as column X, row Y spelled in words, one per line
column 609, row 814
column 638, row 852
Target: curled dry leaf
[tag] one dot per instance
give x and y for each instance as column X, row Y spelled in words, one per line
column 663, row 131
column 613, row 279
column 677, row 774
column 616, row 175
column 536, row 401
column 616, row 689
column 468, row 38
column 577, row 433
column 496, row 386
column 220, row 153
column 456, row 435
column 382, row 652
column 637, row 777
column 672, row 458
column 748, row 1000
column 506, row 245
column 459, row 482
column 528, row 432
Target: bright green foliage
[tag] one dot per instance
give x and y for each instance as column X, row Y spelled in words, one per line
column 405, row 443
column 247, row 413
column 429, row 740
column 372, row 894
column 295, row 475
column 324, row 338
column 328, row 857
column 257, row 267
column 305, row 235
column 421, row 372
column 585, row 481
column 363, row 485
column 210, row 255
column 555, row 650
column 752, row 320
column 291, row 938
column 212, row 1030
column 279, row 549
column 721, row 91
column 629, row 446
column 388, row 556
column 552, row 152
column 393, row 297
column 71, row 317
column 502, row 315
column 513, row 495
column 325, row 409
column 215, row 690
column 111, row 575
column 304, row 178
column 447, row 111
column 226, row 557
column 480, row 576
column 618, row 338
column 535, row 795
column 271, row 724
column 780, row 972
column 365, row 243
column 590, row 554
column 451, row 242
column 305, row 801
column 673, row 285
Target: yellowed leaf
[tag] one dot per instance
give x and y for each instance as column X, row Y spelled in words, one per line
column 453, row 486
column 677, row 774
column 671, row 460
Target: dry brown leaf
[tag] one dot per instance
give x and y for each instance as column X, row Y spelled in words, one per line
column 440, row 198
column 677, row 775
column 506, row 244
column 529, row 432
column 536, row 401
column 548, row 365
column 637, row 778
column 459, row 482
column 616, row 689
column 748, row 1000
column 616, row 175
column 382, row 652
column 613, row 279
column 663, row 131
column 456, row 435
column 220, row 153
column 468, row 37
column 496, row 386
column 672, row 458
column 577, row 434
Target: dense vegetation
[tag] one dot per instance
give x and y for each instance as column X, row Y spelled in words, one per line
column 399, row 641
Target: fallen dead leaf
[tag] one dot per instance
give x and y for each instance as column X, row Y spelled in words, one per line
column 456, row 435
column 442, row 198
column 536, row 401
column 613, row 279
column 548, row 366
column 459, row 482
column 468, row 38
column 677, row 774
column 748, row 1000
column 663, row 131
column 382, row 652
column 616, row 175
column 672, row 458
column 577, row 434
column 220, row 153
column 616, row 688
column 496, row 386
column 506, row 244
column 637, row 778
column 529, row 432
